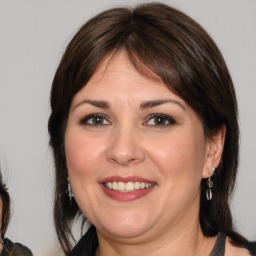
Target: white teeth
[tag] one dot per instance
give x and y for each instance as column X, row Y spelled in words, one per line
column 137, row 185
column 127, row 186
column 110, row 185
column 114, row 186
column 121, row 186
column 147, row 185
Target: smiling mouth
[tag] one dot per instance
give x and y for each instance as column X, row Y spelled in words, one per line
column 127, row 186
column 126, row 189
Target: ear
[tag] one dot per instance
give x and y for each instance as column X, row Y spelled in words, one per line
column 214, row 149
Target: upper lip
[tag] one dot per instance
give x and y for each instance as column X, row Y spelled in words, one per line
column 126, row 179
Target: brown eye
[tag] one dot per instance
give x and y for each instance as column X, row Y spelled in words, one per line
column 160, row 120
column 95, row 120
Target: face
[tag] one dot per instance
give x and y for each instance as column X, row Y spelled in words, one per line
column 136, row 153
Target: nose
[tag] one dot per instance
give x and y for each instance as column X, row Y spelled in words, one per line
column 125, row 147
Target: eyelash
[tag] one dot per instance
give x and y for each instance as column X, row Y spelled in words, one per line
column 167, row 120
column 161, row 117
column 86, row 120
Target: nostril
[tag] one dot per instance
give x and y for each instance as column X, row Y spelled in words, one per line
column 130, row 158
column 124, row 148
column 124, row 161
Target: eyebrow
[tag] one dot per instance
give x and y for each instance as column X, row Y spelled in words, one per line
column 143, row 105
column 155, row 103
column 95, row 103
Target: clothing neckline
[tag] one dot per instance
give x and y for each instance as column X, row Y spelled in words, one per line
column 219, row 247
column 88, row 244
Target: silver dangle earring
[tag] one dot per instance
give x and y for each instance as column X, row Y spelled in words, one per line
column 69, row 192
column 210, row 185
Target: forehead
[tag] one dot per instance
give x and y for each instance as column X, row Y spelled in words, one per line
column 116, row 76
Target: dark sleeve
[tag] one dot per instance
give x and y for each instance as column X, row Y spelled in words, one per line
column 21, row 250
column 14, row 249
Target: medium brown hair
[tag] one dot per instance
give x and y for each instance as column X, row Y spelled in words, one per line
column 4, row 196
column 181, row 53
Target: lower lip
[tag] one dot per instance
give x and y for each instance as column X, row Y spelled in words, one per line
column 126, row 196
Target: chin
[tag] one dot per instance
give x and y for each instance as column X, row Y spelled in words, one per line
column 124, row 231
column 126, row 226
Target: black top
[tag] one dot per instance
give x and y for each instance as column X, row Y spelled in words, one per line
column 14, row 249
column 88, row 244
column 219, row 247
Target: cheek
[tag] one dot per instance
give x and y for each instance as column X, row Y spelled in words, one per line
column 82, row 154
column 179, row 155
column 83, row 157
column 179, row 161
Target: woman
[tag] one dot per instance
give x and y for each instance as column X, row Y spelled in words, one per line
column 145, row 136
column 7, row 247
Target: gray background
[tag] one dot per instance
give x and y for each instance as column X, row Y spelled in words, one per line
column 33, row 35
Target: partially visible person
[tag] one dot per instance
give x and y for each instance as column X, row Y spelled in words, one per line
column 7, row 247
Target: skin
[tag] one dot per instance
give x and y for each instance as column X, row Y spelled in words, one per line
column 175, row 155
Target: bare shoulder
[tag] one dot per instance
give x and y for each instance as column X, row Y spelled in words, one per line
column 232, row 250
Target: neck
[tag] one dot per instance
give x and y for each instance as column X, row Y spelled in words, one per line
column 182, row 238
